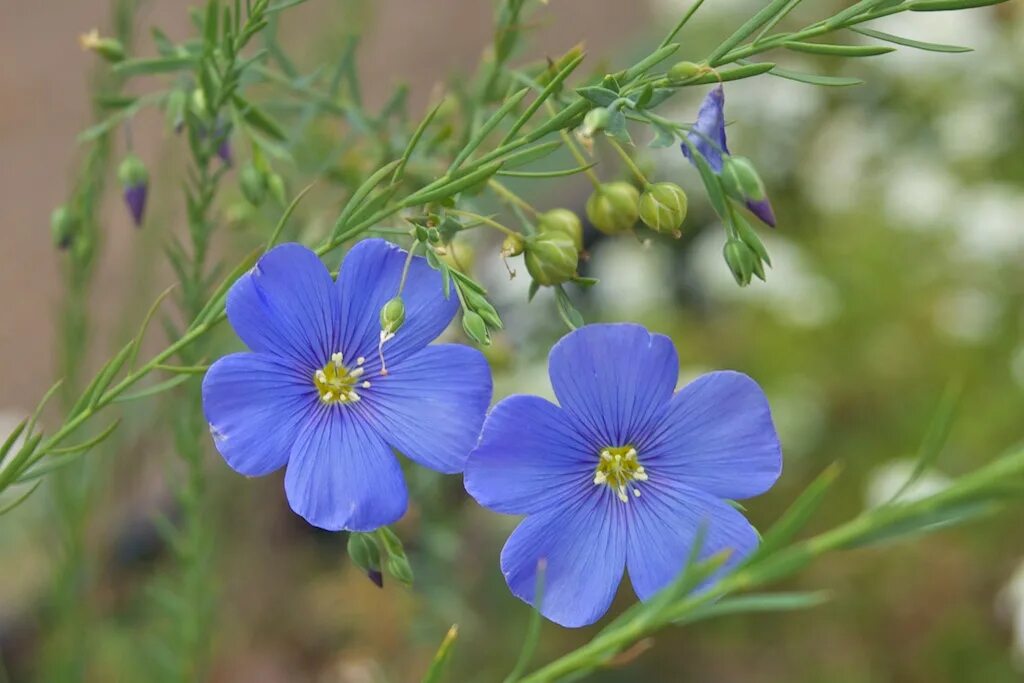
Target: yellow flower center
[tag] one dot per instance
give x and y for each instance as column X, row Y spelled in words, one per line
column 337, row 384
column 619, row 469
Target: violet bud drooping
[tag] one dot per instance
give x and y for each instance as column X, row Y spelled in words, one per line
column 134, row 179
column 614, row 207
column 551, row 258
column 663, row 208
column 563, row 221
column 742, row 181
column 63, row 226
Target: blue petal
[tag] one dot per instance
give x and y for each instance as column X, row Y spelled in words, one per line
column 762, row 209
column 615, row 380
column 342, row 476
column 369, row 278
column 529, row 458
column 708, row 134
column 717, row 437
column 286, row 305
column 584, row 548
column 430, row 406
column 256, row 404
column 663, row 525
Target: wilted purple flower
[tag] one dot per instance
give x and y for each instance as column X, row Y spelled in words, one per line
column 623, row 473
column 312, row 395
column 708, row 137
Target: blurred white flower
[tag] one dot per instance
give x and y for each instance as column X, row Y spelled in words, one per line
column 887, row 479
column 977, row 127
column 798, row 409
column 919, row 192
column 833, row 174
column 988, row 222
column 968, row 315
column 1010, row 604
column 970, row 29
column 635, row 276
column 793, row 292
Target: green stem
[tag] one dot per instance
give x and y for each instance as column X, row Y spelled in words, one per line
column 629, row 162
column 511, row 197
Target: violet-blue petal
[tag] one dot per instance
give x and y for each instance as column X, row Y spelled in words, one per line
column 717, row 437
column 615, row 380
column 342, row 476
column 664, row 522
column 430, row 405
column 287, row 306
column 135, row 200
column 529, row 459
column 369, row 278
column 708, row 134
column 762, row 209
column 584, row 547
column 256, row 405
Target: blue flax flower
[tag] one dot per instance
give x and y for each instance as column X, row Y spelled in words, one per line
column 624, row 472
column 313, row 396
column 708, row 137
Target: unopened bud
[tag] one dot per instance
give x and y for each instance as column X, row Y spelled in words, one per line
column 392, row 315
column 563, row 221
column 63, row 227
column 740, row 260
column 134, row 180
column 365, row 554
column 275, row 183
column 399, row 568
column 663, row 208
column 475, row 328
column 614, row 207
column 551, row 258
column 596, row 120
column 109, row 49
column 742, row 181
column 253, row 182
column 683, row 71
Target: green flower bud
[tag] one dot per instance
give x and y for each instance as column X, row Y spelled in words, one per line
column 275, row 184
column 392, row 315
column 740, row 260
column 683, row 71
column 253, row 182
column 741, row 179
column 110, row 49
column 551, row 258
column 475, row 328
column 63, row 227
column 596, row 120
column 563, row 221
column 198, row 103
column 614, row 207
column 365, row 554
column 663, row 208
column 513, row 245
column 398, row 567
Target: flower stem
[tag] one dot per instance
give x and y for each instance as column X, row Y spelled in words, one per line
column 511, row 197
column 629, row 162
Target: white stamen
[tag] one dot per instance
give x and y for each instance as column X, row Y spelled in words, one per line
column 356, row 373
column 636, row 492
column 606, row 455
column 321, row 377
column 366, row 385
column 600, row 478
column 640, row 476
column 337, row 359
column 621, row 491
column 353, row 396
column 360, row 360
column 328, row 396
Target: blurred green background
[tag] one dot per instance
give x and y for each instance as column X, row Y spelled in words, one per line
column 897, row 273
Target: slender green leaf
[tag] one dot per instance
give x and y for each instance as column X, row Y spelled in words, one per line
column 837, row 50
column 548, row 91
column 907, row 42
column 943, row 5
column 489, row 125
column 756, row 602
column 7, row 507
column 361, row 193
column 258, row 119
column 530, row 154
column 547, row 174
column 815, row 79
column 154, row 65
column 437, row 666
column 159, row 388
column 797, row 515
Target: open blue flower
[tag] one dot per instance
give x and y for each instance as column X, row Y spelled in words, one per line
column 624, row 473
column 312, row 394
column 707, row 136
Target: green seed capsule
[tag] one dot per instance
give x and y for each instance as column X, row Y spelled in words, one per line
column 392, row 315
column 614, row 207
column 63, row 227
column 663, row 208
column 563, row 221
column 596, row 120
column 475, row 328
column 513, row 245
column 551, row 258
column 683, row 71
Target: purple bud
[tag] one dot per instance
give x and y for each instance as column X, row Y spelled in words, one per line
column 135, row 200
column 376, row 577
column 224, row 151
column 762, row 208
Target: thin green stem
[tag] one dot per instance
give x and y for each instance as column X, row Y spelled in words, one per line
column 511, row 197
column 629, row 161
column 490, row 222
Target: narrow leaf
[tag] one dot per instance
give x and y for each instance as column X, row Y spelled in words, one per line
column 907, row 42
column 837, row 50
